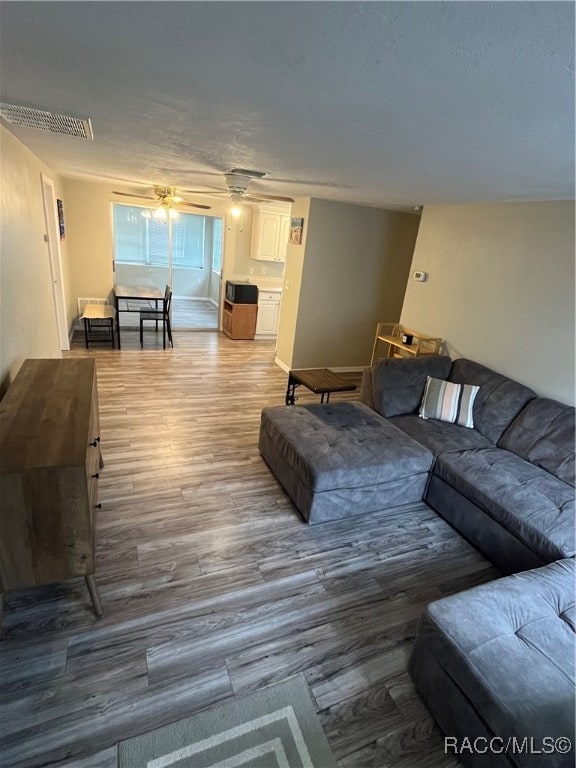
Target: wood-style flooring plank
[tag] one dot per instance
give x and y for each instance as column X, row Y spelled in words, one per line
column 352, row 724
column 212, row 584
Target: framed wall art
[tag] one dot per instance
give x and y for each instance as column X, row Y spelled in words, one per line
column 60, row 208
column 296, row 229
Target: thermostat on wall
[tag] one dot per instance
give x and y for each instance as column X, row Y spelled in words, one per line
column 421, row 276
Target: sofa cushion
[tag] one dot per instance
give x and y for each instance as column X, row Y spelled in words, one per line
column 543, row 433
column 342, row 445
column 509, row 647
column 531, row 503
column 398, row 385
column 498, row 401
column 447, row 401
column 439, row 436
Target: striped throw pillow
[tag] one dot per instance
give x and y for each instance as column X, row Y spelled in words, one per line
column 446, row 401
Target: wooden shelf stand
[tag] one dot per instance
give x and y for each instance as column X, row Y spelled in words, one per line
column 392, row 333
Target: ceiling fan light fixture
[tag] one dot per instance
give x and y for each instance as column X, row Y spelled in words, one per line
column 237, row 183
column 236, row 211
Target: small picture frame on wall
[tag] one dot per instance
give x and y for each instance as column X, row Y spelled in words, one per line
column 60, row 208
column 296, row 229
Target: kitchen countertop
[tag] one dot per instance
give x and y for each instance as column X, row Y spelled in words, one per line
column 269, row 288
column 264, row 283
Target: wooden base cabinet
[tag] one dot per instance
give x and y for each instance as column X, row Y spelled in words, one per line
column 239, row 320
column 50, row 462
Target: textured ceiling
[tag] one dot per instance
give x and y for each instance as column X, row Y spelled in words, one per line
column 387, row 104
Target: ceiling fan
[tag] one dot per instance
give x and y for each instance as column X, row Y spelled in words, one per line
column 165, row 198
column 237, row 182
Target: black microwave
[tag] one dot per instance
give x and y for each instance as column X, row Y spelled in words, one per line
column 241, row 293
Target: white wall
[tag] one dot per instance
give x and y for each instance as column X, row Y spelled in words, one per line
column 500, row 289
column 27, row 316
column 349, row 274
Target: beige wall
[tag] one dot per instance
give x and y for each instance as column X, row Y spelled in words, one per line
column 500, row 289
column 243, row 264
column 27, row 316
column 89, row 223
column 89, row 235
column 292, row 284
column 349, row 274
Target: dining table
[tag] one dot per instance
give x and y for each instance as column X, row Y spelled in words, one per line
column 134, row 298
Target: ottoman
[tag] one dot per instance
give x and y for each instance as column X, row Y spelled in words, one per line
column 341, row 459
column 496, row 664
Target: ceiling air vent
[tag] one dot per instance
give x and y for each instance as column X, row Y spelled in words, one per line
column 47, row 121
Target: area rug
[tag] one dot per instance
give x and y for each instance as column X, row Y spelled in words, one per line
column 276, row 727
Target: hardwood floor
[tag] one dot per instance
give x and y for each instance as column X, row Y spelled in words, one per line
column 187, row 314
column 194, row 314
column 213, row 586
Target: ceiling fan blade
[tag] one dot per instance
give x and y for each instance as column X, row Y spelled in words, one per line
column 129, row 194
column 253, row 199
column 195, row 205
column 263, row 197
column 208, row 192
column 304, row 182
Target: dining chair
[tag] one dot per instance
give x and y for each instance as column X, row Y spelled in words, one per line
column 159, row 316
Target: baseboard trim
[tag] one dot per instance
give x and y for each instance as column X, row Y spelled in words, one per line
column 282, row 365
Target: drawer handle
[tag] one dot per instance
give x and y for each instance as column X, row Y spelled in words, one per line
column 99, row 505
column 95, row 442
column 96, row 476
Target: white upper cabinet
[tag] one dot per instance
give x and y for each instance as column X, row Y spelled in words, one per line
column 284, row 236
column 270, row 232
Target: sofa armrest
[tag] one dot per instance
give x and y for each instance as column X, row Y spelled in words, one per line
column 398, row 384
column 366, row 395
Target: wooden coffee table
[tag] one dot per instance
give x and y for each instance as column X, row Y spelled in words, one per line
column 321, row 381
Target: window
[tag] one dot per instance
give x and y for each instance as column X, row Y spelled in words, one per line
column 196, row 240
column 217, row 245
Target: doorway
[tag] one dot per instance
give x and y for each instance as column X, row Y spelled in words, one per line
column 55, row 256
column 183, row 250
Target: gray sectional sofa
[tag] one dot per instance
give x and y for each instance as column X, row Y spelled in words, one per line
column 507, row 485
column 495, row 666
column 496, row 661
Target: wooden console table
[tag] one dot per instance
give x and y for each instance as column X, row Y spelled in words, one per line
column 49, row 467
